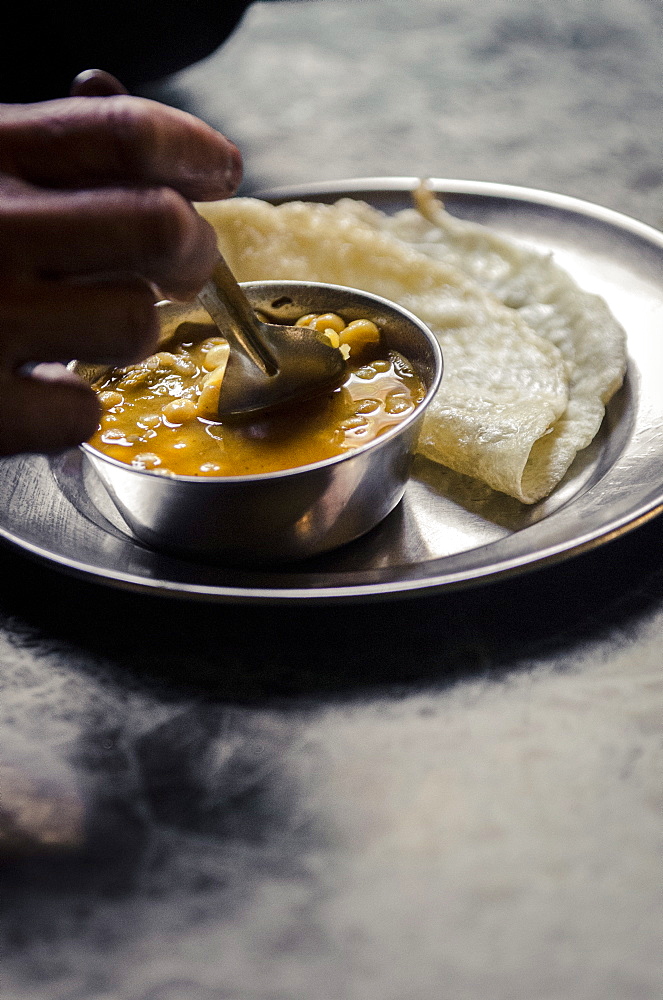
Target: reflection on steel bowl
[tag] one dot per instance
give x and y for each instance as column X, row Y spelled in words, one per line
column 286, row 513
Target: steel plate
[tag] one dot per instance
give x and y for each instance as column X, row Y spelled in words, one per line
column 449, row 531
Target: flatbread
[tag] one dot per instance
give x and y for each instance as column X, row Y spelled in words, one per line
column 591, row 341
column 506, row 386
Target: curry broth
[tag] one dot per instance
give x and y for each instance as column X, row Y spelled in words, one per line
column 150, row 417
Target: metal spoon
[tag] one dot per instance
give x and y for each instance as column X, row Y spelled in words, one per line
column 269, row 364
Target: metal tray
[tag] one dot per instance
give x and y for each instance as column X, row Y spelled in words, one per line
column 449, row 531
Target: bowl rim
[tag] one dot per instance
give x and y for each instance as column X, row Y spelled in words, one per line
column 377, row 442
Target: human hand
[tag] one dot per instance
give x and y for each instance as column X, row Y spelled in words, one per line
column 96, row 224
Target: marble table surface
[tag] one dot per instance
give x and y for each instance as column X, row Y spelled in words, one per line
column 455, row 796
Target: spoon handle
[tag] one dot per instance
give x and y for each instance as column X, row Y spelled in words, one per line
column 224, row 300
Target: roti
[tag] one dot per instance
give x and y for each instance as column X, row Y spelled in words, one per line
column 530, row 359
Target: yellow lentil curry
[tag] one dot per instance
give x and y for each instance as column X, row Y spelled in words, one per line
column 159, row 414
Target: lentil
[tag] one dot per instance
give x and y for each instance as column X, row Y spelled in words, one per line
column 168, row 401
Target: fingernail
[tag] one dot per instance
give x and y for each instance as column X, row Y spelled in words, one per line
column 233, row 174
column 50, row 371
column 96, row 83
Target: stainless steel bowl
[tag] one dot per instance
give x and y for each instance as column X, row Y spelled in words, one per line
column 288, row 515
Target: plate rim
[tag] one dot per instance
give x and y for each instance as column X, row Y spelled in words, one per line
column 427, row 584
column 494, row 189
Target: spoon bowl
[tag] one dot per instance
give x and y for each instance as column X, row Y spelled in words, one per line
column 270, row 364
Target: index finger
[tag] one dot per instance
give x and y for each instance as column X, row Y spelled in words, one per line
column 92, row 141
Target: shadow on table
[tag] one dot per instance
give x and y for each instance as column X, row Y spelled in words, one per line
column 182, row 826
column 247, row 653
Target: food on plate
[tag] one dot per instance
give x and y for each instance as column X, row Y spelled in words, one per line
column 530, row 358
column 160, row 414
